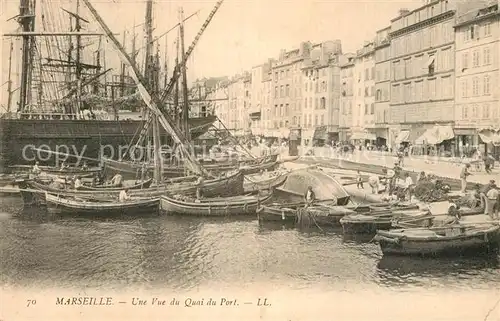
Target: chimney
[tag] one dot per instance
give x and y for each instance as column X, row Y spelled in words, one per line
column 403, row 12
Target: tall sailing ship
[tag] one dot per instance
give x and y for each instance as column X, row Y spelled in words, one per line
column 66, row 100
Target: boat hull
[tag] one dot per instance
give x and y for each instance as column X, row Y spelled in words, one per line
column 487, row 241
column 33, row 193
column 253, row 185
column 239, row 205
column 57, row 205
column 89, row 138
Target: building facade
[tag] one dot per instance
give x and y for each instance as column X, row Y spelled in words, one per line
column 347, row 98
column 363, row 119
column 259, row 100
column 321, row 92
column 382, row 87
column 477, row 97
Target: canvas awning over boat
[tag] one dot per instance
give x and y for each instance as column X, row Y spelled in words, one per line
column 363, row 136
column 436, row 135
column 402, row 136
column 489, row 136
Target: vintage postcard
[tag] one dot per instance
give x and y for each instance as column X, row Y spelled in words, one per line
column 250, row 160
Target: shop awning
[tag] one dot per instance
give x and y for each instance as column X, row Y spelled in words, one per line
column 490, row 137
column 363, row 136
column 402, row 136
column 436, row 135
column 320, row 133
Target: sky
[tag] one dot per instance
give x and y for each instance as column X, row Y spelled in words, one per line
column 242, row 34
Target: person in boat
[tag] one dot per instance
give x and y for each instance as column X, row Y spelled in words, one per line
column 454, row 211
column 117, row 180
column 421, row 177
column 309, row 196
column 63, row 166
column 95, row 180
column 123, row 197
column 85, row 166
column 486, row 188
column 374, row 183
column 77, row 183
column 36, row 170
column 199, row 185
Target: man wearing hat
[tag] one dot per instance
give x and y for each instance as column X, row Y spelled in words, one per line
column 492, row 199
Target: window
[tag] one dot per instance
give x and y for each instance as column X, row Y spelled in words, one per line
column 475, row 86
column 475, row 58
column 366, row 109
column 464, row 88
column 282, row 91
column 322, row 122
column 486, row 85
column 276, row 92
column 487, row 29
column 407, row 68
column 486, row 56
column 432, row 88
column 287, row 111
column 316, row 120
column 275, row 110
column 366, row 91
column 486, row 111
column 294, row 121
column 317, row 86
column 474, row 111
column 305, row 103
column 282, row 74
column 281, row 110
column 323, row 103
column 367, row 74
column 472, row 32
column 287, row 91
column 372, row 108
column 446, row 87
column 465, row 60
column 465, row 112
column 276, row 76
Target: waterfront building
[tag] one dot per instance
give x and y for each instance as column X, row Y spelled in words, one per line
column 287, row 90
column 220, row 102
column 477, row 37
column 200, row 96
column 346, row 97
column 259, row 98
column 382, row 87
column 423, row 73
column 321, row 93
column 363, row 120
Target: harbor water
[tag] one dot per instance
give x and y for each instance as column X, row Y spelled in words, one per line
column 187, row 253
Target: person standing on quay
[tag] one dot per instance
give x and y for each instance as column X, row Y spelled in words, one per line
column 463, row 177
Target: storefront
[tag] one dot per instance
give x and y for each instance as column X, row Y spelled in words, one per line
column 320, row 136
column 438, row 140
column 491, row 139
column 363, row 138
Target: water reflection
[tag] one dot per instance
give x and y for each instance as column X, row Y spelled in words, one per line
column 185, row 253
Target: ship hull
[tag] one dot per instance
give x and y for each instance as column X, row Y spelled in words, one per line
column 89, row 138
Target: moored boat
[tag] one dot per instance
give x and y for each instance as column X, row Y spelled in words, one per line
column 320, row 214
column 217, row 206
column 262, row 181
column 54, row 171
column 457, row 239
column 140, row 185
column 229, row 184
column 57, row 204
column 371, row 222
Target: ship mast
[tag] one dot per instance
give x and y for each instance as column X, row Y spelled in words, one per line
column 150, row 84
column 78, row 64
column 9, row 81
column 27, row 21
column 177, row 116
column 185, row 109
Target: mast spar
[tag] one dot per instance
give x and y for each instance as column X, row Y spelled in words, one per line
column 185, row 107
column 9, row 81
column 27, row 21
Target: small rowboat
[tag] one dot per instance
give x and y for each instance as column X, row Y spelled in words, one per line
column 58, row 205
column 142, row 185
column 322, row 214
column 54, row 171
column 264, row 181
column 33, row 192
column 371, row 222
column 220, row 206
column 458, row 239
